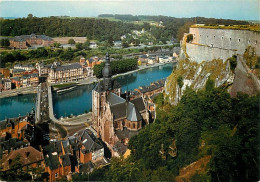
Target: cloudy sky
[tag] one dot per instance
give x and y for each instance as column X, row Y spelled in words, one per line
column 226, row 9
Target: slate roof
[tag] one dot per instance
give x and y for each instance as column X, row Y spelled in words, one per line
column 132, row 113
column 66, row 146
column 153, row 86
column 65, row 160
column 27, row 155
column 139, row 103
column 113, row 99
column 90, row 142
column 131, row 110
column 86, row 168
column 22, row 38
column 120, row 148
column 52, row 161
column 68, row 67
column 18, row 70
column 125, row 133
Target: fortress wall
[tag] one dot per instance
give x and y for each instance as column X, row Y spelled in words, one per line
column 226, row 38
column 201, row 53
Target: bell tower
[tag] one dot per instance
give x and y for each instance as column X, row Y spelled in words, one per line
column 107, row 74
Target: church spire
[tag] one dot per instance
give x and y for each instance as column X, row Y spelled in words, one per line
column 107, row 73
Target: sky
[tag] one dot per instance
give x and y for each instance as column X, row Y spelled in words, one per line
column 226, row 9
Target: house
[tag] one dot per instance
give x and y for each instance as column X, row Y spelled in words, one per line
column 155, row 87
column 82, row 61
column 118, row 43
column 43, row 69
column 28, row 157
column 93, row 45
column 91, row 149
column 143, row 58
column 53, row 166
column 5, row 72
column 6, row 84
column 17, row 72
column 30, row 80
column 17, row 127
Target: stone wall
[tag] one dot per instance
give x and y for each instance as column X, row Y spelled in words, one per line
column 226, row 38
column 199, row 53
column 211, row 44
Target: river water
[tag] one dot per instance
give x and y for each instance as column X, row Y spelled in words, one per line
column 79, row 101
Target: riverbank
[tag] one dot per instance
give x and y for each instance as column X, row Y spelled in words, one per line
column 142, row 67
column 18, row 91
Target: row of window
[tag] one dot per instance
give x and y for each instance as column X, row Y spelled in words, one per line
column 249, row 41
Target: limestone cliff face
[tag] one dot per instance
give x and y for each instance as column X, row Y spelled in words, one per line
column 195, row 76
column 206, row 55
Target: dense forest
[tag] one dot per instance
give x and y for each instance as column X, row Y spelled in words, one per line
column 204, row 123
column 100, row 28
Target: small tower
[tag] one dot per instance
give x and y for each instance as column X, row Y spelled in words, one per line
column 107, row 74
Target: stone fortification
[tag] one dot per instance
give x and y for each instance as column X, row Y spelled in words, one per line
column 209, row 44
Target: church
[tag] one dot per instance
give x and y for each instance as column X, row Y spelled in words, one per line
column 116, row 119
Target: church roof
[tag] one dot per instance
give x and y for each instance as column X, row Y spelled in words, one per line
column 128, row 109
column 114, row 99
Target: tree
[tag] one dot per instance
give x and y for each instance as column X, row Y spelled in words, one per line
column 30, row 16
column 233, row 62
column 4, row 42
column 180, row 84
column 189, row 38
column 125, row 44
column 71, row 41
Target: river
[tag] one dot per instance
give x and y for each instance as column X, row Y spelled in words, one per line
column 78, row 101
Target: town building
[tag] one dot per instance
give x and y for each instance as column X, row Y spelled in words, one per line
column 26, row 67
column 30, row 80
column 114, row 116
column 25, row 41
column 93, row 45
column 43, row 69
column 6, row 84
column 66, row 73
column 17, row 72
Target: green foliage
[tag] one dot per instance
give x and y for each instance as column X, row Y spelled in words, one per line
column 210, row 84
column 16, row 172
column 71, row 41
column 250, row 57
column 233, row 62
column 4, row 42
column 189, row 38
column 180, row 81
column 207, row 122
column 117, row 67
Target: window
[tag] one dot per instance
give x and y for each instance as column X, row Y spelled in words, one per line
column 238, row 40
column 222, row 37
column 207, row 36
column 249, row 41
column 214, row 36
column 230, row 39
column 255, row 42
column 56, row 175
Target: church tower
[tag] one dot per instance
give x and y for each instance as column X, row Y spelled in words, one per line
column 100, row 93
column 107, row 74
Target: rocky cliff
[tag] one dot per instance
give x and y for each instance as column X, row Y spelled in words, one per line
column 195, row 74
